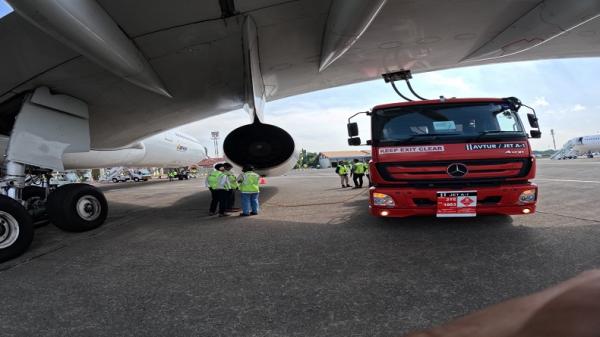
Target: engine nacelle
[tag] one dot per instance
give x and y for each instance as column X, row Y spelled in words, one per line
column 270, row 149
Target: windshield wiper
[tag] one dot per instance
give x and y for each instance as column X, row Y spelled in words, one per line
column 495, row 132
column 426, row 136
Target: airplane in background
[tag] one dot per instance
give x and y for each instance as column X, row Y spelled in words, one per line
column 167, row 149
column 96, row 75
column 587, row 144
column 579, row 146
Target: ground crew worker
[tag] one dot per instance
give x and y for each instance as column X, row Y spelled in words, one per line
column 222, row 191
column 343, row 171
column 233, row 187
column 212, row 180
column 358, row 171
column 249, row 186
column 171, row 175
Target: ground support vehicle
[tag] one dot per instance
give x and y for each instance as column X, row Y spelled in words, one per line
column 450, row 158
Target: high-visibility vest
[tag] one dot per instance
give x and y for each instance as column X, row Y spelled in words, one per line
column 226, row 186
column 233, row 184
column 250, row 183
column 213, row 179
column 359, row 168
column 343, row 170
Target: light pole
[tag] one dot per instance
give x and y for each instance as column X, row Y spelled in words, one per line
column 215, row 137
column 553, row 139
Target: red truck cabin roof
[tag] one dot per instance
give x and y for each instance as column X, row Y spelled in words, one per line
column 438, row 101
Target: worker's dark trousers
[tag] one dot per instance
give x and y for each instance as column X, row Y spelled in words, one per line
column 214, row 201
column 358, row 179
column 220, row 197
column 231, row 199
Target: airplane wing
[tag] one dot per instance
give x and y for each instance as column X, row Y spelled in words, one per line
column 193, row 53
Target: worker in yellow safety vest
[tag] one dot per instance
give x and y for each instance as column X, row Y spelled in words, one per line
column 249, row 188
column 218, row 184
column 358, row 171
column 342, row 170
column 233, row 187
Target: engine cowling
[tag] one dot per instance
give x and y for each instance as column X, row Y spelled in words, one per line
column 270, row 149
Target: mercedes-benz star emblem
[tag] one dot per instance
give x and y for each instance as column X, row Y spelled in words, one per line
column 457, row 170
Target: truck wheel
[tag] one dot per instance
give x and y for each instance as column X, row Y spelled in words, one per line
column 77, row 207
column 136, row 179
column 35, row 202
column 16, row 229
column 115, row 180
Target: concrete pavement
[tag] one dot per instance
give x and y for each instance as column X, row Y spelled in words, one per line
column 313, row 263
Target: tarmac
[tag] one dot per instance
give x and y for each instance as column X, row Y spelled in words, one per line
column 312, row 263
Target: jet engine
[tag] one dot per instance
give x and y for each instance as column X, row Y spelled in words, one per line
column 270, row 149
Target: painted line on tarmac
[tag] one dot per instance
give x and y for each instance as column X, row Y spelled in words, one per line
column 569, row 180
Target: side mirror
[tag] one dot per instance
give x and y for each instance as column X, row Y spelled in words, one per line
column 352, row 129
column 533, row 121
column 354, row 141
column 536, row 134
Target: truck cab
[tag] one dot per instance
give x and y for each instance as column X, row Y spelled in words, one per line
column 451, row 158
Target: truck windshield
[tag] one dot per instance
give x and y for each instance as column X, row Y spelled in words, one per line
column 426, row 123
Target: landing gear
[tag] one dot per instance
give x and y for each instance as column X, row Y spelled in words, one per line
column 40, row 127
column 77, row 207
column 16, row 229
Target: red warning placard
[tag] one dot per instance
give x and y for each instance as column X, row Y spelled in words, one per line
column 456, row 204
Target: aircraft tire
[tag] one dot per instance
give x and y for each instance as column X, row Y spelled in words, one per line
column 77, row 207
column 16, row 229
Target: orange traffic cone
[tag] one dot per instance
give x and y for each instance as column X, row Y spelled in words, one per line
column 262, row 181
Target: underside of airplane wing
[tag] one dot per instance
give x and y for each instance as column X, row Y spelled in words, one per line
column 183, row 61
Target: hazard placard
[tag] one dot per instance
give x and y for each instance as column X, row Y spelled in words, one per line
column 456, row 204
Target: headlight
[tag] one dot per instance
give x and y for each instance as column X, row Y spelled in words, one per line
column 384, row 200
column 527, row 196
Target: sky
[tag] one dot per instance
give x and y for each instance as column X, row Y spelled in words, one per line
column 564, row 93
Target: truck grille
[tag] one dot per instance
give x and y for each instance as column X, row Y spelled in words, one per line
column 480, row 171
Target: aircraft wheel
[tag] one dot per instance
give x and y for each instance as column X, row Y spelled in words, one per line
column 16, row 229
column 77, row 207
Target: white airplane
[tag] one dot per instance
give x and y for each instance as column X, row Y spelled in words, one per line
column 77, row 76
column 587, row 144
column 578, row 146
column 167, row 149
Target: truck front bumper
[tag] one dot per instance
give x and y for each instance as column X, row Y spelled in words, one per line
column 501, row 200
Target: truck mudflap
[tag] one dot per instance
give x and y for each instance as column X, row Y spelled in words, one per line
column 443, row 202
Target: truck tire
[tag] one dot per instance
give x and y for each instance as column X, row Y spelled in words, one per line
column 77, row 207
column 115, row 180
column 16, row 229
column 34, row 198
column 136, row 179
